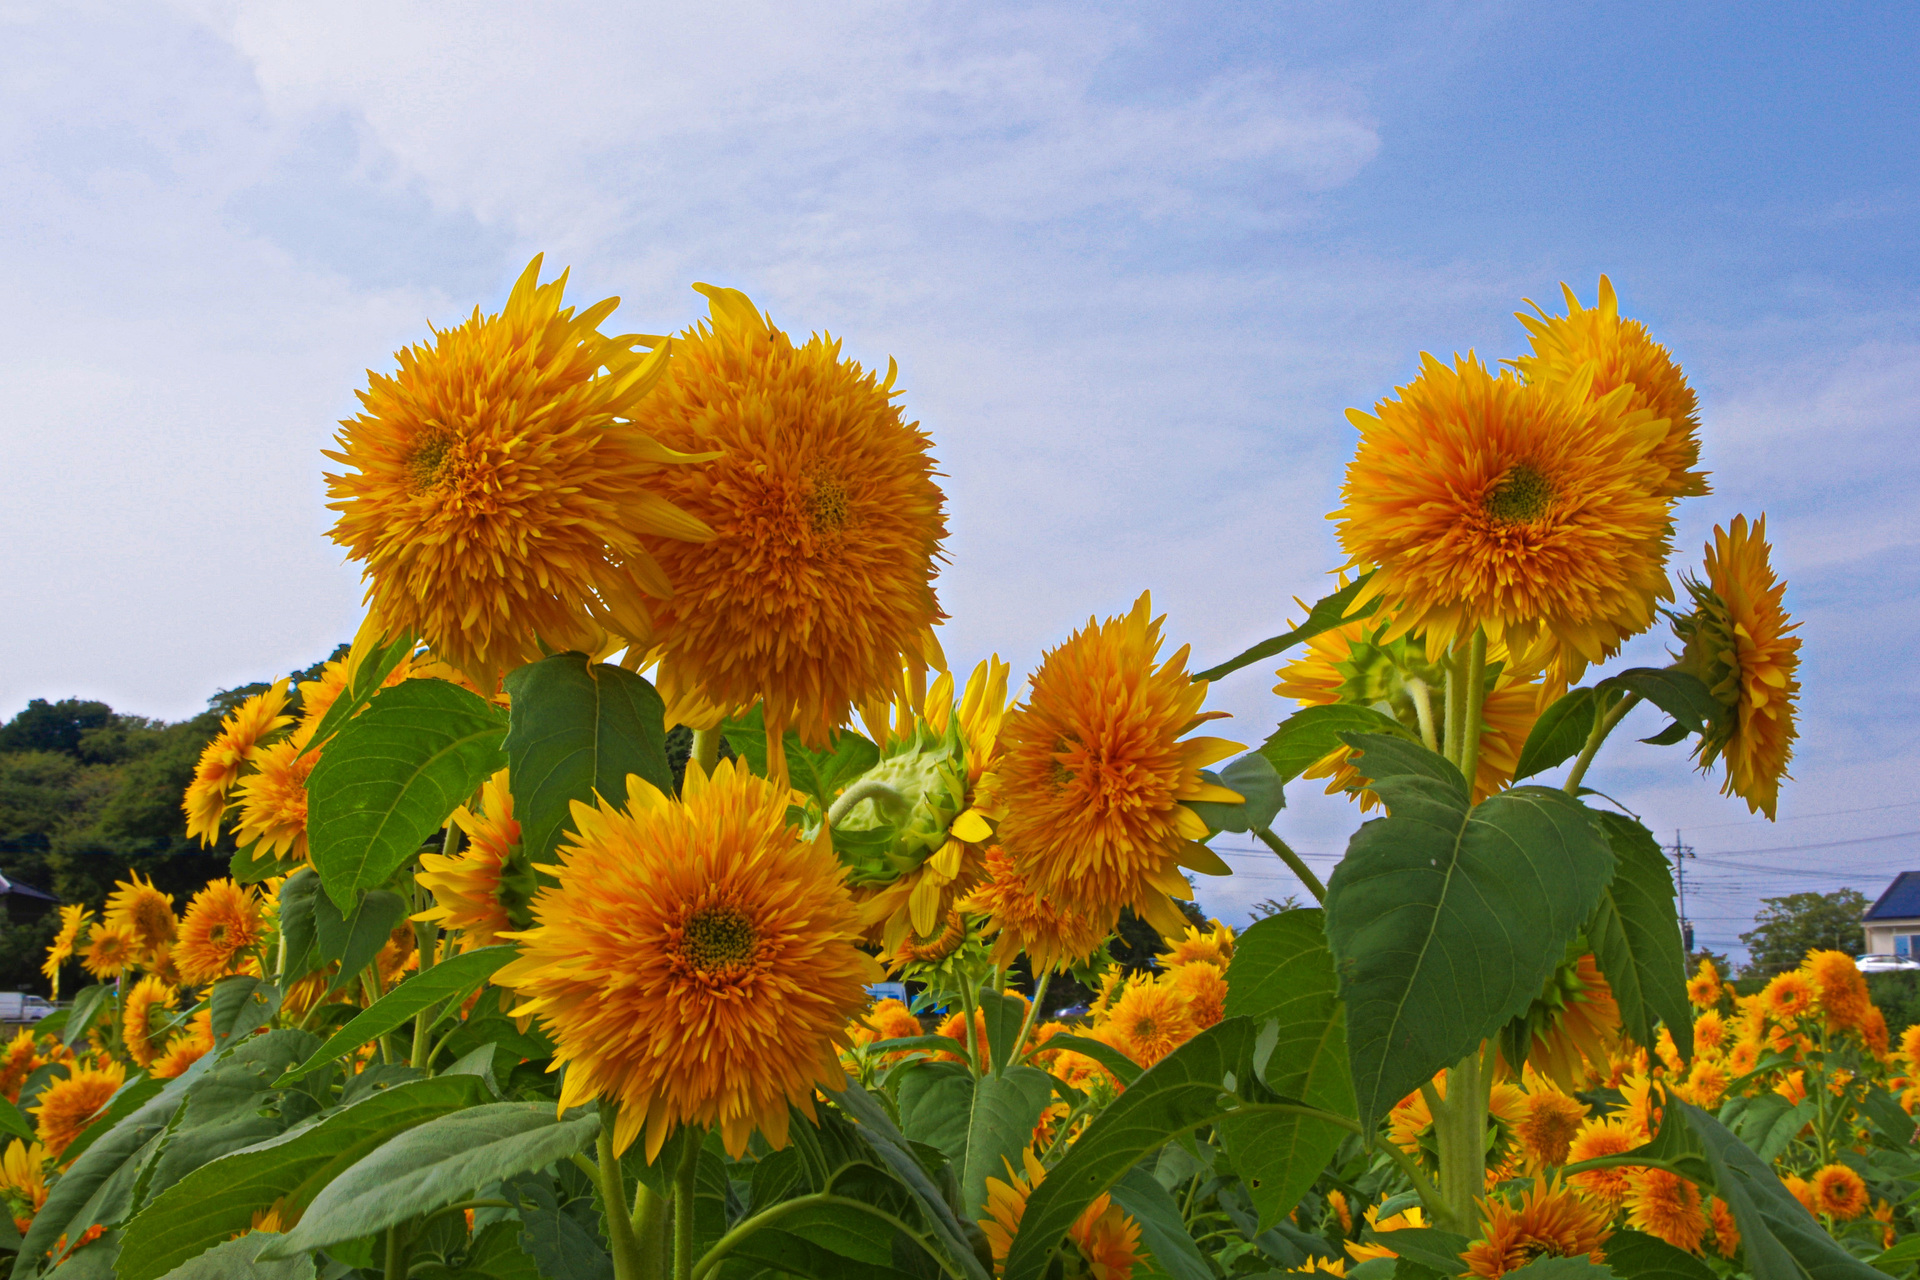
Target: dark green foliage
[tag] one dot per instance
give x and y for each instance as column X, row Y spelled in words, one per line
column 1786, row 928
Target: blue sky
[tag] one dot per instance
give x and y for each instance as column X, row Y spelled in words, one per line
column 1134, row 262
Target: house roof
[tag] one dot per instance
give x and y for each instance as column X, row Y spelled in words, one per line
column 1901, row 901
column 20, row 889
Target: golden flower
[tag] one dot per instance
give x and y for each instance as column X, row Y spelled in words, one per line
column 1151, row 1020
column 1882, row 1213
column 1213, row 945
column 1022, row 920
column 1549, row 1222
column 1873, row 1029
column 502, row 495
column 1547, row 1126
column 74, row 919
column 400, row 954
column 1327, row 1266
column 1532, row 511
column 1571, row 1028
column 1802, row 1191
column 222, row 760
column 1739, row 642
column 1790, row 995
column 1839, row 1191
column 185, row 1048
column 1743, row 1057
column 1709, row 1032
column 1107, row 1239
column 20, row 1061
column 1706, row 1083
column 1363, row 1252
column 472, row 889
column 1411, row 1117
column 23, row 1174
column 222, row 924
column 110, row 953
column 893, row 1020
column 1703, row 988
column 1793, row 1087
column 137, row 1018
column 141, row 910
column 1726, row 1232
column 818, row 584
column 1842, row 990
column 695, row 961
column 1601, row 1137
column 67, row 1106
column 1342, row 1212
column 1666, row 1205
column 1203, row 987
column 273, row 800
column 1614, row 353
column 1094, row 776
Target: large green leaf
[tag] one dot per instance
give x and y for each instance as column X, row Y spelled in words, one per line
column 356, row 936
column 789, row 1253
column 218, row 1199
column 392, row 776
column 375, row 666
column 1262, row 795
column 1000, row 1120
column 579, row 727
column 11, row 1121
column 561, row 1246
column 1781, row 1240
column 298, row 926
column 85, row 1011
column 451, row 979
column 127, row 1099
column 1124, row 1069
column 1634, row 1255
column 1307, row 735
column 1551, row 1268
column 240, row 1005
column 236, row 1260
column 892, row 1148
column 438, row 1163
column 1181, row 1092
column 1329, row 612
column 1282, row 973
column 1445, row 919
column 1558, row 735
column 935, row 1100
column 822, row 774
column 1680, row 694
column 1162, row 1230
column 1004, row 1016
column 1635, row 935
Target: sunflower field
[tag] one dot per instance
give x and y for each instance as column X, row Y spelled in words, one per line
column 502, row 987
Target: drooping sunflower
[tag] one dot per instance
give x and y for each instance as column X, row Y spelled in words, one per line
column 500, row 494
column 222, row 924
column 1107, row 1240
column 1569, row 1031
column 222, row 759
column 1615, row 353
column 1095, row 773
column 1666, row 1205
column 74, row 921
column 110, row 952
column 273, row 800
column 1550, row 1221
column 1213, row 944
column 143, row 911
column 1739, row 642
column 1840, row 1192
column 1020, row 919
column 478, row 890
column 23, row 1175
column 138, row 1023
column 1531, row 511
column 696, row 961
column 1726, row 1232
column 1152, row 1020
column 67, row 1106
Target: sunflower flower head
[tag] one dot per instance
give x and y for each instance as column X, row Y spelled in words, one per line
column 23, row 1176
column 1841, row 989
column 222, row 760
column 75, row 918
column 142, row 910
column 817, row 587
column 1203, row 987
column 1570, row 1030
column 1020, row 919
column 272, row 800
column 1214, row 945
column 67, row 1106
column 185, row 1048
column 663, row 960
column 484, row 890
column 1549, row 1221
column 1151, row 1020
column 1599, row 1137
column 223, row 923
column 1106, row 1240
column 1703, row 988
column 1840, row 1192
column 110, row 952
column 1790, row 996
column 500, row 495
column 1548, row 1123
column 1668, row 1206
column 146, row 1003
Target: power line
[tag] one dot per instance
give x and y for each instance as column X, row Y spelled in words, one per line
column 1826, row 844
column 1802, row 817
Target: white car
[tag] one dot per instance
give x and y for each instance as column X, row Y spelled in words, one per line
column 1886, row 964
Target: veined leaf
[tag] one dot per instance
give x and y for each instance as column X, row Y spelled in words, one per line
column 1001, row 1115
column 239, row 1260
column 1307, row 735
column 1003, row 1016
column 1445, row 919
column 451, row 979
column 891, row 1146
column 378, row 663
column 561, row 1246
column 11, row 1121
column 1634, row 1255
column 1262, row 795
column 1635, row 935
column 298, row 924
column 356, row 936
column 579, row 727
column 1124, row 1069
column 240, row 1005
column 819, row 774
column 85, row 1010
column 392, row 776
column 1329, row 612
column 1558, row 734
column 1678, row 693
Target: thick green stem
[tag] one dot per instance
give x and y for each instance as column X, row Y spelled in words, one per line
column 683, row 1182
column 1018, row 1050
column 883, row 796
column 1460, row 1130
column 767, row 1217
column 627, row 1262
column 1456, row 691
column 1423, row 710
column 1294, row 864
column 975, row 1058
column 651, row 1229
column 1602, row 726
column 706, row 749
column 396, row 1260
column 1473, row 697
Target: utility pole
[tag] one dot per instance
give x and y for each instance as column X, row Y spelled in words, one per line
column 1681, row 852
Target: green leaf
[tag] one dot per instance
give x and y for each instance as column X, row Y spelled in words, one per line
column 298, row 925
column 1634, row 1255
column 1307, row 735
column 11, row 1121
column 1769, row 1123
column 1282, row 974
column 790, row 1254
column 935, row 1101
column 1678, row 693
column 392, row 777
column 1894, row 1124
column 1003, row 1016
column 1580, row 1268
column 1000, row 1120
column 252, row 864
column 1429, row 1246
column 451, row 979
column 1635, row 935
column 1262, row 795
column 355, row 937
column 1162, row 1230
column 1558, row 734
column 820, row 774
column 1780, row 1238
column 240, row 1005
column 239, row 1260
column 1445, row 919
column 1899, row 1257
column 560, row 1246
column 891, row 1146
column 87, row 1004
column 496, row 1255
column 218, row 1199
column 1330, row 612
column 439, row 1162
column 375, row 667
column 579, row 727
column 1181, row 1092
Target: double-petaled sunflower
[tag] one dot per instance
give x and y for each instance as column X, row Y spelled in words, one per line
column 220, row 763
column 67, row 1106
column 1534, row 512
column 1740, row 643
column 1550, row 1221
column 139, row 1025
column 74, row 921
column 272, row 800
column 1095, row 773
column 478, row 890
column 1019, row 919
column 818, row 584
column 1668, row 1206
column 222, row 924
column 1151, row 1019
column 110, row 952
column 696, row 961
column 500, row 491
column 142, row 910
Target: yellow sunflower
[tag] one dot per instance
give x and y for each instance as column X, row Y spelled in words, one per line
column 1842, row 989
column 1531, row 511
column 23, row 1174
column 74, row 921
column 696, row 961
column 818, row 584
column 1703, row 988
column 1203, row 986
column 1151, row 1020
column 1107, row 1240
column 1021, row 920
column 20, row 1061
column 222, row 760
column 1604, row 1137
column 1094, row 776
column 222, row 924
column 273, row 800
column 1615, row 353
column 141, row 910
column 1790, row 995
column 185, row 1048
column 110, row 953
column 1739, row 641
column 1666, row 1205
column 1840, row 1192
column 1550, row 1221
column 1548, row 1124
column 67, row 1106
column 500, row 490
column 1213, row 944
column 472, row 889
column 137, row 1019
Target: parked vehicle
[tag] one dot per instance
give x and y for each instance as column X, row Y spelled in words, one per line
column 17, row 1006
column 1886, row 963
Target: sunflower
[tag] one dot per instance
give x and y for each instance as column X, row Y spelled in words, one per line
column 74, row 920
column 1597, row 1138
column 1152, row 1020
column 273, row 799
column 1022, row 920
column 663, row 962
column 1203, row 987
column 142, row 910
column 1726, row 1232
column 1570, row 1029
column 23, row 1175
column 1738, row 641
column 1547, row 1126
column 1790, row 995
column 1792, row 1087
column 222, row 760
column 501, row 495
column 476, row 890
column 400, row 954
column 1549, row 1222
column 892, row 1020
column 1107, row 1239
column 1840, row 1192
column 1213, row 944
column 1709, row 1032
column 1842, row 990
column 185, row 1048
column 1873, row 1029
column 1706, row 1083
column 67, row 1106
column 21, row 1059
column 1703, row 988
column 110, row 952
column 137, row 1018
column 1531, row 511
column 1378, row 1226
column 1882, row 1213
column 222, row 924
column 1094, row 777
column 1744, row 1056
column 818, row 584
column 1614, row 353
column 1666, row 1205
column 1802, row 1191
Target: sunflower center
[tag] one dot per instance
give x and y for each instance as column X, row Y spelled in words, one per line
column 217, row 934
column 1522, row 495
column 717, row 938
column 427, row 467
column 827, row 505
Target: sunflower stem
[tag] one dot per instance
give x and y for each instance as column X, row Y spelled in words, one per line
column 651, row 1229
column 396, row 1259
column 706, row 749
column 1472, row 699
column 966, row 1029
column 1461, row 1134
column 683, row 1181
column 1294, row 864
column 627, row 1261
column 1015, row 1054
column 1456, row 688
column 1602, row 726
column 884, row 797
column 1423, row 710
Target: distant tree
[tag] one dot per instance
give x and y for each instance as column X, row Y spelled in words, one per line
column 1275, row 906
column 1786, row 928
column 54, row 726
